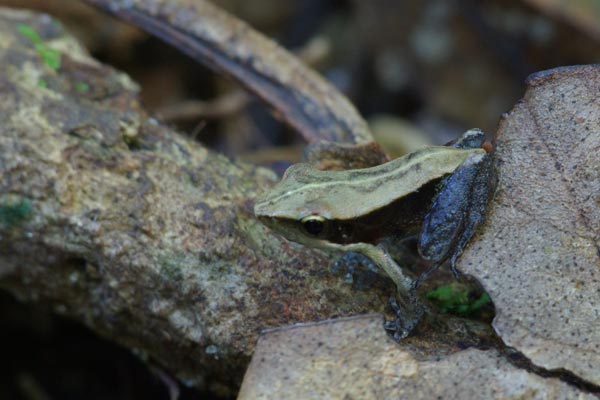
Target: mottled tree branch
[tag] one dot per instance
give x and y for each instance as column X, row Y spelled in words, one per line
column 141, row 234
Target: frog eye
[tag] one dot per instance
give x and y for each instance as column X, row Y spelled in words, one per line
column 313, row 224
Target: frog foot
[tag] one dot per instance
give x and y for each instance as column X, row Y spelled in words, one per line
column 407, row 317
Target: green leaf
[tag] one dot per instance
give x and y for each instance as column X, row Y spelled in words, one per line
column 482, row 301
column 455, row 299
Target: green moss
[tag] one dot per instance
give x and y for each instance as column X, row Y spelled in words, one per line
column 81, row 87
column 51, row 57
column 15, row 213
column 455, row 299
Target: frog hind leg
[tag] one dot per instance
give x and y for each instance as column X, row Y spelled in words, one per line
column 457, row 211
column 482, row 190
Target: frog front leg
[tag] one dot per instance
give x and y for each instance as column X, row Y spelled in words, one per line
column 457, row 211
column 406, row 305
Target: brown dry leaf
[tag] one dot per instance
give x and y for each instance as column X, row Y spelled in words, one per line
column 539, row 256
column 354, row 359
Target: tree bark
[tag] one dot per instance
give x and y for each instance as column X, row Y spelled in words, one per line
column 141, row 234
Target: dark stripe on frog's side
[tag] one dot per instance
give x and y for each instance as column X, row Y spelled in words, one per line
column 402, row 217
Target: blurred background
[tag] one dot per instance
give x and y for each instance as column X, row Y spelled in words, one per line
column 420, row 72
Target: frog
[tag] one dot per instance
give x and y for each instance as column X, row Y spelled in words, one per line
column 439, row 193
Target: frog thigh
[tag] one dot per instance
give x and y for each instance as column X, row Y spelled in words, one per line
column 482, row 190
column 457, row 210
